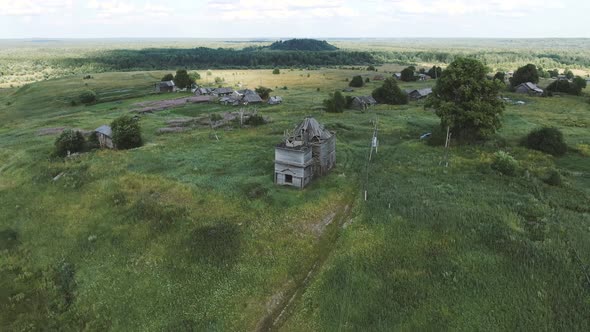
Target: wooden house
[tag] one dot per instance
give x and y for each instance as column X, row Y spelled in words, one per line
column 363, row 102
column 105, row 137
column 418, row 94
column 310, row 151
column 165, row 86
column 529, row 88
column 221, row 92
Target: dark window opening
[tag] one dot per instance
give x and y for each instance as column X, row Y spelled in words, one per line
column 288, row 178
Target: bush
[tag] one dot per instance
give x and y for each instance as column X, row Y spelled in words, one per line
column 263, row 92
column 546, row 139
column 336, row 103
column 167, row 77
column 255, row 120
column 88, row 97
column 92, row 142
column 356, row 82
column 126, row 132
column 390, row 93
column 554, row 178
column 276, row 71
column 69, row 141
column 504, row 163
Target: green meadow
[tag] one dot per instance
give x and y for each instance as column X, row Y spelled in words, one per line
column 189, row 233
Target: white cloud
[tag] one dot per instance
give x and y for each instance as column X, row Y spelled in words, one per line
column 33, row 8
column 286, row 9
column 124, row 11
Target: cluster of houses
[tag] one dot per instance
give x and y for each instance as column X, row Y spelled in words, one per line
column 226, row 95
column 419, row 76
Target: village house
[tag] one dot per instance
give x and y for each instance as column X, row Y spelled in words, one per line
column 424, row 77
column 221, row 92
column 105, row 137
column 418, row 94
column 363, row 102
column 202, row 91
column 378, row 78
column 397, row 76
column 310, row 151
column 165, row 86
column 529, row 88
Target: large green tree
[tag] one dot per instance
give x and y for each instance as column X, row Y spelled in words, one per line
column 408, row 74
column 126, row 132
column 182, row 79
column 466, row 101
column 356, row 82
column 336, row 103
column 390, row 93
column 525, row 74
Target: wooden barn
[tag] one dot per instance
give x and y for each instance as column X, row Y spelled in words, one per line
column 529, row 88
column 363, row 102
column 165, row 86
column 105, row 137
column 310, row 151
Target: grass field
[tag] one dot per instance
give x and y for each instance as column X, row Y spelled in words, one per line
column 190, row 233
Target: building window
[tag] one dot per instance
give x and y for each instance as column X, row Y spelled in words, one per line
column 288, row 178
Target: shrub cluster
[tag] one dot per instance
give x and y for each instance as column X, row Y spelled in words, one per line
column 546, row 139
column 70, row 141
column 504, row 163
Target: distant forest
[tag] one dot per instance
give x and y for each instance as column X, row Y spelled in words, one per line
column 204, row 58
column 302, row 45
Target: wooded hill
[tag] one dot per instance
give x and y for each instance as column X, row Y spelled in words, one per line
column 302, row 45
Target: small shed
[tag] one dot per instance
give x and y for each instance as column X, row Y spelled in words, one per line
column 397, row 76
column 363, row 102
column 275, row 100
column 105, row 137
column 529, row 88
column 165, row 86
column 202, row 91
column 424, row 77
column 309, row 151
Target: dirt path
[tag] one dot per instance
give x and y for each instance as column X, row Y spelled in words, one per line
column 284, row 302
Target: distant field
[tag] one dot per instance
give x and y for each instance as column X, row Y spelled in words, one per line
column 25, row 61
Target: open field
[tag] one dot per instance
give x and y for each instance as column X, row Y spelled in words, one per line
column 190, row 233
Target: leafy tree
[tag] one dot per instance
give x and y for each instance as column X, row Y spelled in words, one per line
column 356, row 82
column 182, row 79
column 408, row 74
column 547, row 139
column 435, row 72
column 568, row 74
column 525, row 74
column 367, row 80
column 126, row 132
column 371, row 68
column 336, row 103
column 574, row 88
column 466, row 101
column 219, row 80
column 543, row 73
column 168, row 77
column 276, row 71
column 194, row 76
column 501, row 76
column 390, row 93
column 69, row 141
column 88, row 97
column 553, row 73
column 263, row 92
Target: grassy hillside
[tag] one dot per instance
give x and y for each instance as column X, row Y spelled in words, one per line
column 188, row 232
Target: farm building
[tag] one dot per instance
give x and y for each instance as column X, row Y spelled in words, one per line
column 363, row 102
column 348, row 90
column 529, row 88
column 424, row 77
column 165, row 86
column 105, row 137
column 310, row 151
column 397, row 76
column 220, row 92
column 419, row 93
column 251, row 98
column 202, row 91
column 275, row 100
column 378, row 78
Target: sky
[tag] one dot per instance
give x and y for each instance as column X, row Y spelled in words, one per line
column 226, row 19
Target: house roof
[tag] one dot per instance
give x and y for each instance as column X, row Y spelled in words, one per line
column 247, row 92
column 532, row 86
column 366, row 99
column 420, row 92
column 223, row 90
column 166, row 83
column 105, row 130
column 252, row 98
column 310, row 130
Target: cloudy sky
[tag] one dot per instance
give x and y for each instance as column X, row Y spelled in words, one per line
column 293, row 18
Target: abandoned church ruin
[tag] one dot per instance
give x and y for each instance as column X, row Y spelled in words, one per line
column 309, row 151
